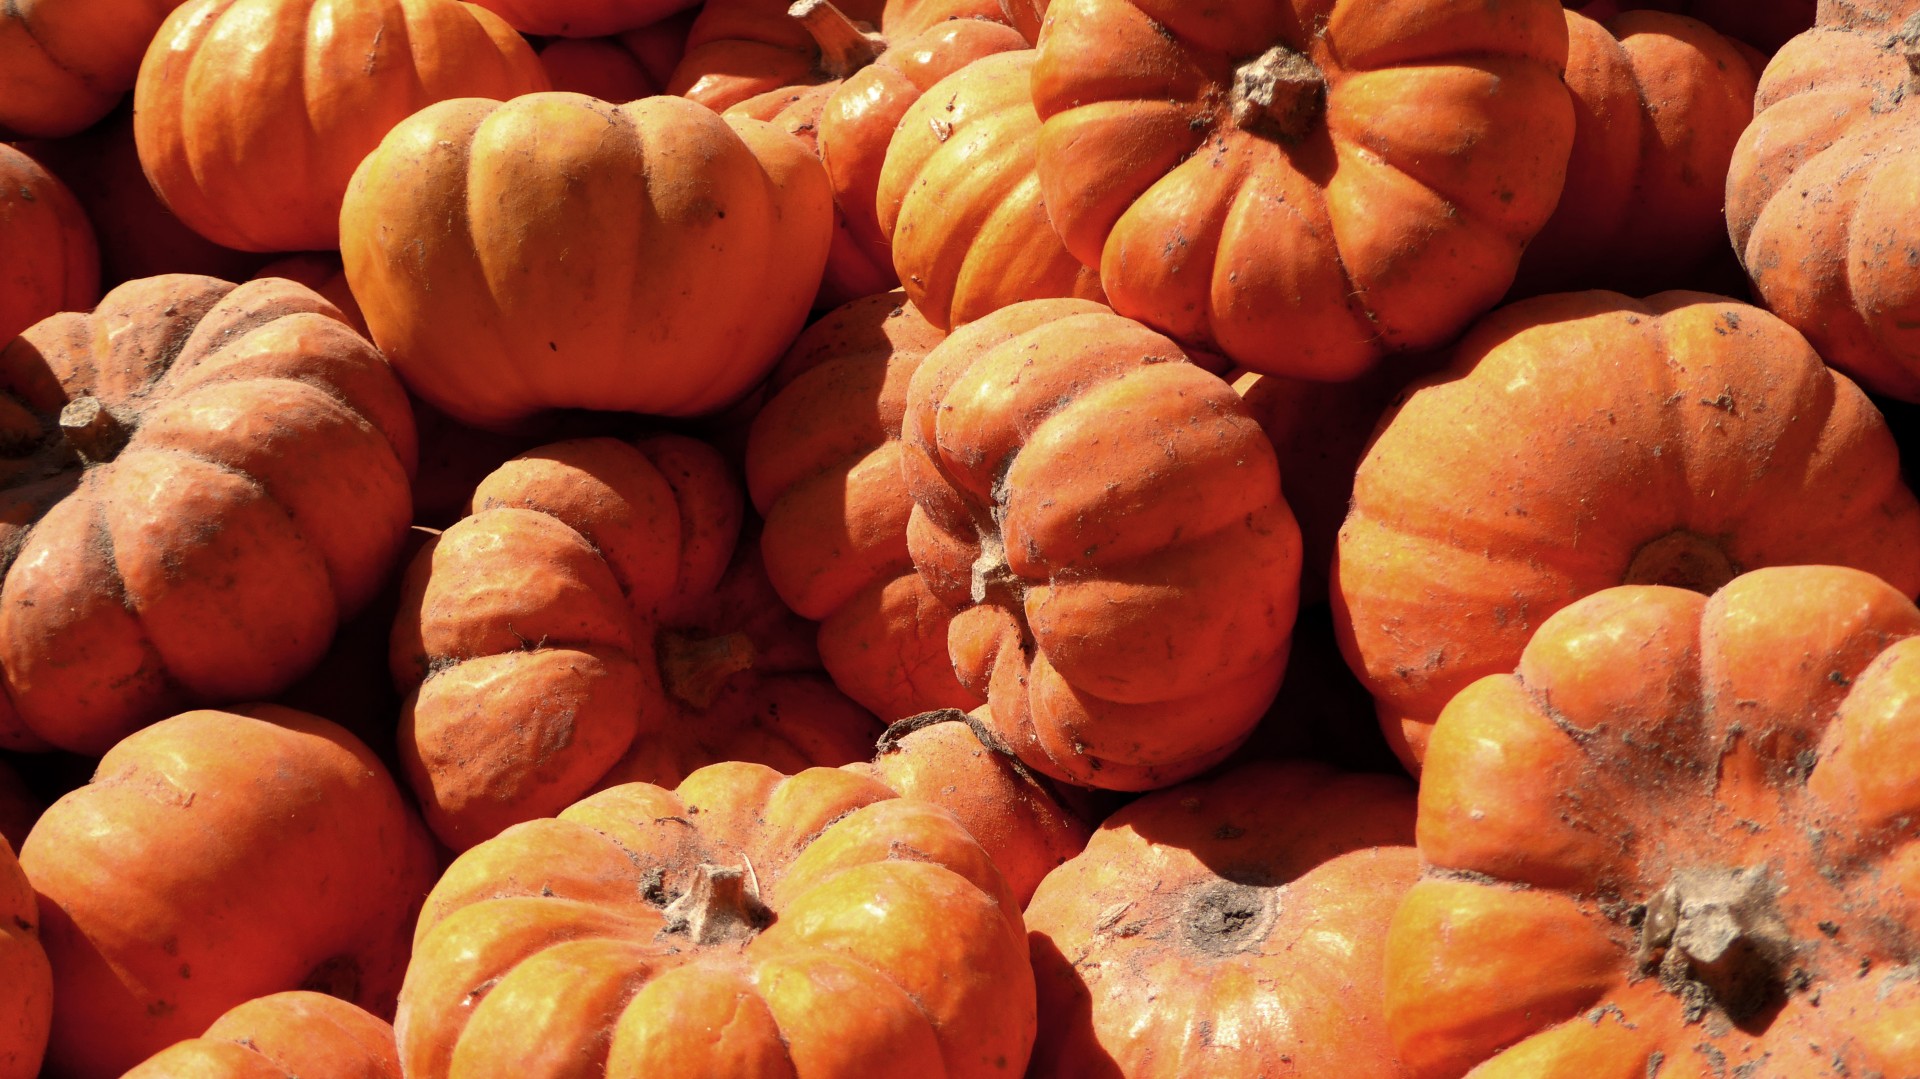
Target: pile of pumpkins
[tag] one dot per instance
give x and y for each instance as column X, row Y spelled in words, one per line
column 967, row 538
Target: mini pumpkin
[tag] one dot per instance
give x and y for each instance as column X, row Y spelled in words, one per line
column 26, row 980
column 1677, row 839
column 283, row 1036
column 52, row 260
column 65, row 64
column 746, row 923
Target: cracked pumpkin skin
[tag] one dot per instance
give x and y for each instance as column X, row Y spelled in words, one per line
column 1306, row 186
column 1585, row 440
column 1678, row 840
column 744, row 925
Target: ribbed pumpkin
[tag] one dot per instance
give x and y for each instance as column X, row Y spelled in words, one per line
column 564, row 283
column 958, row 202
column 1677, row 839
column 1659, row 102
column 202, row 482
column 65, row 63
column 251, row 115
column 1764, row 24
column 823, row 467
column 26, row 981
column 322, row 272
column 1106, row 518
column 1227, row 927
column 563, row 631
column 282, row 1036
column 745, row 924
column 1308, row 186
column 217, row 857
column 52, row 260
column 1820, row 193
column 1581, row 441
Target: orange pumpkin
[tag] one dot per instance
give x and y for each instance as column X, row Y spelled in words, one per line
column 1819, row 194
column 1303, row 187
column 565, row 283
column 744, row 924
column 26, row 981
column 823, row 467
column 52, row 260
column 1659, row 102
column 1764, row 24
column 582, row 18
column 283, row 1036
column 1581, row 441
column 251, row 115
column 598, row 67
column 958, row 203
column 1106, row 518
column 322, row 272
column 1676, row 840
column 565, row 631
column 1229, row 927
column 65, row 64
column 164, row 903
column 202, row 481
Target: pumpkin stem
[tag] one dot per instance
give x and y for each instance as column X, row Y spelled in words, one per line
column 694, row 668
column 844, row 47
column 95, row 434
column 1907, row 40
column 1223, row 918
column 722, row 904
column 1716, row 939
column 1279, row 94
column 1682, row 559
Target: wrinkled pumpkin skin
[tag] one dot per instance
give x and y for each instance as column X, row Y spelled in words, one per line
column 1232, row 926
column 1676, row 839
column 282, row 1036
column 565, row 283
column 217, row 857
column 1106, row 519
column 204, row 481
column 1308, row 186
column 52, row 260
column 26, row 979
column 834, row 930
column 1585, row 440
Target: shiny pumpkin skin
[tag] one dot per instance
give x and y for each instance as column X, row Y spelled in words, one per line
column 1228, row 926
column 1660, row 100
column 53, row 260
column 64, row 65
column 882, row 940
column 1106, row 519
column 26, row 979
column 674, row 296
column 251, row 115
column 1585, row 440
column 160, row 911
column 1820, row 192
column 1377, row 202
column 282, row 1036
column 259, row 499
column 958, row 203
column 823, row 469
column 1676, row 839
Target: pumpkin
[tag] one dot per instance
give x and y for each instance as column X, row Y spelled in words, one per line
column 958, row 203
column 1026, row 824
column 599, row 67
column 1676, row 839
column 1659, row 102
column 26, row 981
column 583, row 18
column 282, row 1036
column 53, row 261
column 746, row 923
column 569, row 628
column 1581, row 441
column 565, row 283
column 322, row 272
column 217, row 857
column 823, row 468
column 65, row 64
column 1303, row 187
column 1106, row 519
column 139, row 236
column 1764, row 24
column 202, row 482
column 1586, row 440
column 251, row 115
column 1231, row 926
column 1817, row 195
